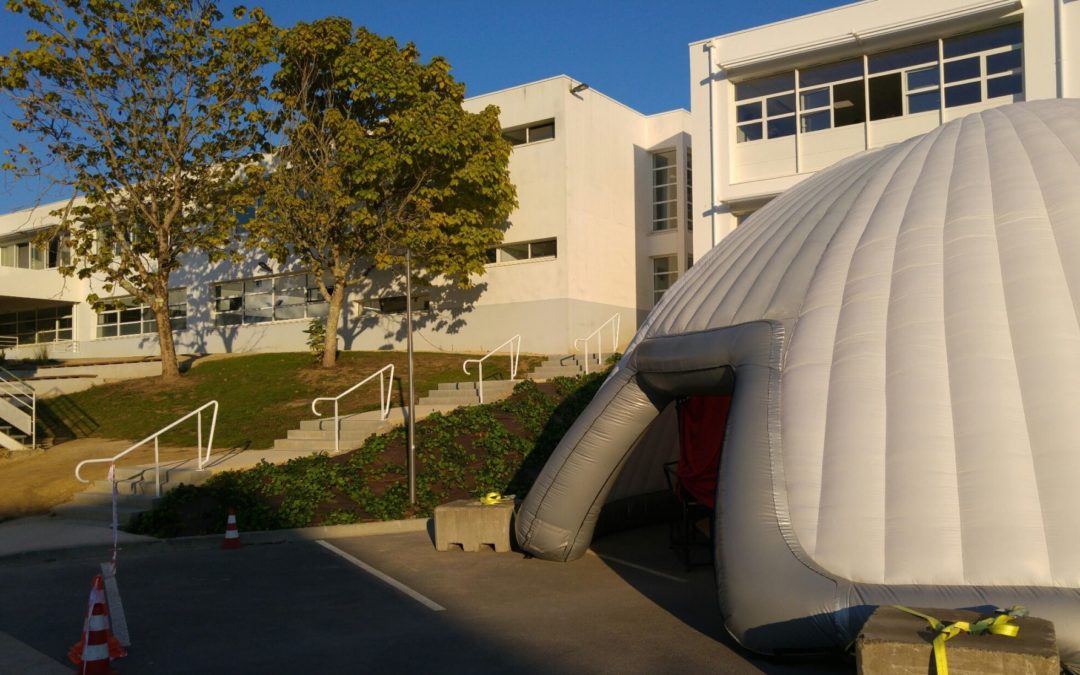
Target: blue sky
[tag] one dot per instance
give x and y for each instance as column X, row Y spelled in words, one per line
column 634, row 50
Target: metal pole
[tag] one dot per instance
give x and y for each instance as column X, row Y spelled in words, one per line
column 409, row 349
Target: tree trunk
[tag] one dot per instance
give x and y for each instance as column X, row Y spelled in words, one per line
column 333, row 317
column 170, row 369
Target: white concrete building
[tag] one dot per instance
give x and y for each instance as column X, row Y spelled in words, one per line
column 774, row 104
column 602, row 229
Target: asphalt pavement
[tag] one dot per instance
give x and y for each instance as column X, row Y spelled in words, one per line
column 386, row 603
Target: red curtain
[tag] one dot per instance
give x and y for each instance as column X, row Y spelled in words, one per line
column 702, row 420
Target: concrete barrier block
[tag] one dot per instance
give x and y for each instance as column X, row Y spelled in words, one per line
column 897, row 643
column 470, row 524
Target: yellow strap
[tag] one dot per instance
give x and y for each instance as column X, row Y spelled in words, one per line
column 999, row 625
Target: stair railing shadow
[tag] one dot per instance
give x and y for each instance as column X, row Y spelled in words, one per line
column 64, row 419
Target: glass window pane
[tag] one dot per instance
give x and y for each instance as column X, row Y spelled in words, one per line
column 999, row 63
column 513, row 252
column 666, row 158
column 228, row 319
column 1012, row 34
column 292, row 311
column 318, row 309
column 963, row 94
column 831, row 72
column 128, row 315
column 229, row 289
column 663, row 211
column 542, row 132
column 664, row 176
column 149, row 327
column 748, row 112
column 515, row 136
column 662, row 265
column 782, row 126
column 748, row 132
column 780, row 105
column 543, row 249
column 7, row 255
column 131, row 328
column 22, row 256
column 64, row 334
column 849, row 104
column 178, row 324
column 964, row 69
column 817, row 98
column 903, row 58
column 492, row 256
column 764, row 86
column 1005, row 86
column 106, row 331
column 816, row 121
column 924, row 77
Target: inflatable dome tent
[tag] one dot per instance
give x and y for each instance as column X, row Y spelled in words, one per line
column 900, row 336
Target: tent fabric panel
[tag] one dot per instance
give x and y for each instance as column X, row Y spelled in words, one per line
column 919, row 455
column 1003, row 539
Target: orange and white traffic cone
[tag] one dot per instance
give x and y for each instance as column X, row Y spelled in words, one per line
column 232, row 535
column 98, row 646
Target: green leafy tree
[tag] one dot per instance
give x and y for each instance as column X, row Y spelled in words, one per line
column 150, row 110
column 377, row 156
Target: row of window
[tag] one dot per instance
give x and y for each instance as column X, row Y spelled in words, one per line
column 950, row 72
column 128, row 316
column 34, row 326
column 30, row 256
column 292, row 296
column 525, row 250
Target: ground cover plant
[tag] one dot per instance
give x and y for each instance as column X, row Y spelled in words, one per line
column 467, row 452
column 260, row 396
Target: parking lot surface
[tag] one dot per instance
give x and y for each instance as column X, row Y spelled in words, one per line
column 391, row 603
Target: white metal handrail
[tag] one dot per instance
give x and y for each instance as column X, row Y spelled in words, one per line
column 8, row 341
column 20, row 395
column 384, row 399
column 157, row 450
column 614, row 321
column 515, row 352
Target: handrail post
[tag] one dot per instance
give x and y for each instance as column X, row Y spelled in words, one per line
column 157, row 468
column 480, row 384
column 337, row 428
column 198, row 426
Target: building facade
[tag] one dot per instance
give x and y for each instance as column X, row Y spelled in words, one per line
column 773, row 105
column 603, row 228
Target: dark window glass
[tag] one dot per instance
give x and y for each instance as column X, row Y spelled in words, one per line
column 542, row 132
column 849, row 104
column 748, row 112
column 784, row 126
column 999, row 63
column 903, row 58
column 749, row 132
column 964, row 69
column 818, row 98
column 764, row 86
column 963, row 94
column 923, row 101
column 816, row 121
column 515, row 136
column 491, row 255
column 780, row 105
column 514, row 252
column 1013, row 34
column 831, row 72
column 886, row 99
column 22, row 252
column 1004, row 86
column 925, row 77
column 543, row 249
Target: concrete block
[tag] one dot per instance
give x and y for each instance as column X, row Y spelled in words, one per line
column 469, row 524
column 897, row 643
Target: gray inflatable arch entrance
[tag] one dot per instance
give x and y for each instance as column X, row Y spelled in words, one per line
column 901, row 335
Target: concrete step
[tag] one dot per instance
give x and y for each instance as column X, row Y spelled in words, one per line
column 316, row 445
column 357, row 426
column 346, row 434
column 489, row 385
column 551, row 373
column 99, row 513
column 143, row 502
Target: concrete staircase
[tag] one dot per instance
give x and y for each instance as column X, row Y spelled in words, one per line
column 467, row 393
column 136, row 492
column 569, row 365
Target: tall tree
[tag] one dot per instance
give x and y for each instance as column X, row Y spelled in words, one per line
column 150, row 109
column 378, row 156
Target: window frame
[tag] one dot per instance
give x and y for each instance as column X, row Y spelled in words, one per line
column 670, row 275
column 35, row 323
column 113, row 316
column 530, row 129
column 238, row 313
column 495, row 253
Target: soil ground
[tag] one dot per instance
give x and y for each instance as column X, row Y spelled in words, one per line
column 36, row 480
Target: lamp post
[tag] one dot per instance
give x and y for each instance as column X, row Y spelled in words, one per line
column 411, row 435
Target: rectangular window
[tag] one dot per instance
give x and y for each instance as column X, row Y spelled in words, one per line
column 769, row 110
column 832, row 95
column 530, row 133
column 395, row 304
column 264, row 299
column 665, row 273
column 665, row 195
column 127, row 316
column 984, row 65
column 36, row 326
column 689, row 191
column 525, row 250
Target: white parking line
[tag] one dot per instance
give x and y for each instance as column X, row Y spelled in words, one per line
column 423, row 600
column 641, row 568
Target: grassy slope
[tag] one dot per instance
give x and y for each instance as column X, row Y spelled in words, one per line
column 260, row 396
column 500, row 446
